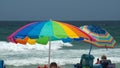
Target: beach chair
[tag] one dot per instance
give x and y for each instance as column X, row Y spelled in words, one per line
column 86, row 61
column 2, row 64
column 107, row 64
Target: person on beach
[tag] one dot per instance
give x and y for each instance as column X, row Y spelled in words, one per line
column 98, row 61
column 54, row 65
column 104, row 61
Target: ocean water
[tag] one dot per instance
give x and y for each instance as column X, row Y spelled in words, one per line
column 65, row 54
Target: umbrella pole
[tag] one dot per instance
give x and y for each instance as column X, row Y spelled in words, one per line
column 49, row 52
column 90, row 48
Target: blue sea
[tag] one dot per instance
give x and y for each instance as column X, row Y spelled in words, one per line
column 64, row 54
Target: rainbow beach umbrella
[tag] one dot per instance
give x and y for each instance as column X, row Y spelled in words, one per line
column 44, row 31
column 102, row 37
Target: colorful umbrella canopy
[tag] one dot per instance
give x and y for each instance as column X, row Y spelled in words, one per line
column 102, row 37
column 42, row 32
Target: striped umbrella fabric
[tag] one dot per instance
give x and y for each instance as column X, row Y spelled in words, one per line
column 102, row 37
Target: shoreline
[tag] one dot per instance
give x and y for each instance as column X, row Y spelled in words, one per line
column 117, row 65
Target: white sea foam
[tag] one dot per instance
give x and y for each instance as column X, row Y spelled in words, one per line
column 19, row 55
column 20, row 47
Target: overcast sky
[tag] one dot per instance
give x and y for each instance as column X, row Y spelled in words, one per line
column 59, row 9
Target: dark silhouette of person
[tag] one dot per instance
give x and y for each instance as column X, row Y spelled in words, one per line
column 53, row 65
column 104, row 61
